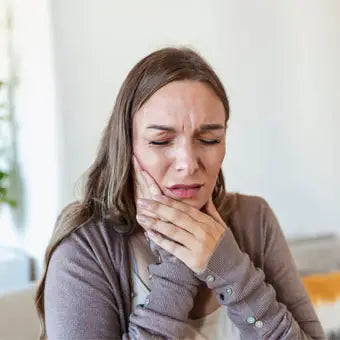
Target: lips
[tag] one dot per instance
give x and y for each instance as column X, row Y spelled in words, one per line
column 184, row 191
column 184, row 186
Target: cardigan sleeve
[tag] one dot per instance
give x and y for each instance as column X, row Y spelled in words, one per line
column 78, row 301
column 268, row 303
column 80, row 304
column 166, row 309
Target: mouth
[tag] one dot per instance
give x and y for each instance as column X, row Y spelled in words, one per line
column 184, row 191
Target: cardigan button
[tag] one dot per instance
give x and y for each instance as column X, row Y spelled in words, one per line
column 210, row 278
column 251, row 319
column 229, row 291
column 259, row 324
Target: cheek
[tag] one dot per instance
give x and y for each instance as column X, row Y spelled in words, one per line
column 213, row 160
column 154, row 161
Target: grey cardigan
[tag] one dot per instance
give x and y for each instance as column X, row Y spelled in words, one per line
column 88, row 284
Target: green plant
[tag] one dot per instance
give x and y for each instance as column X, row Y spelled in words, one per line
column 7, row 166
column 4, row 183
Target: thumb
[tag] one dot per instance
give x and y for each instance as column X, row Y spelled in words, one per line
column 210, row 209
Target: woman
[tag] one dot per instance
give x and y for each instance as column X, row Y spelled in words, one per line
column 216, row 266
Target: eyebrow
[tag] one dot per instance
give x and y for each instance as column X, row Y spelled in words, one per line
column 203, row 127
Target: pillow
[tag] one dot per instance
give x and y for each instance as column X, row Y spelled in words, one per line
column 324, row 292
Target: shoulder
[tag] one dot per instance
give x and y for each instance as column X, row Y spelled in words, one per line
column 250, row 207
column 93, row 242
column 253, row 223
column 87, row 272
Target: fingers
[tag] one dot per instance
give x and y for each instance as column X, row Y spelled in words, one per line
column 152, row 185
column 177, row 250
column 168, row 214
column 211, row 210
column 146, row 180
column 172, row 242
column 168, row 230
column 141, row 184
column 183, row 207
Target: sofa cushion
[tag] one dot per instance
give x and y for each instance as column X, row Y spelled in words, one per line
column 18, row 317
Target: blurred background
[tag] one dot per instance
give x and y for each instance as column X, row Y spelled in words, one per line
column 63, row 62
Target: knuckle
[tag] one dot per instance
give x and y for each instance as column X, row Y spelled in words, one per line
column 172, row 229
column 154, row 224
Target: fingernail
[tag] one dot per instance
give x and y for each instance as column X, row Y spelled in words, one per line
column 146, row 236
column 151, row 234
column 141, row 218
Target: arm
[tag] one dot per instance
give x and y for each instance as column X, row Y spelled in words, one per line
column 80, row 304
column 167, row 307
column 264, row 304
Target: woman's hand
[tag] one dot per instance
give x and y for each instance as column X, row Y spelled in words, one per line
column 146, row 187
column 187, row 233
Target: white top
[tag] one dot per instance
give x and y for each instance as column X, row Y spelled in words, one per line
column 215, row 325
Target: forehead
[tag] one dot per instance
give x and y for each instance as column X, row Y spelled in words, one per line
column 181, row 102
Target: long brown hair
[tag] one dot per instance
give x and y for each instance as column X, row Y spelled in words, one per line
column 109, row 187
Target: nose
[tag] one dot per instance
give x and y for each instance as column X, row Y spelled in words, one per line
column 187, row 159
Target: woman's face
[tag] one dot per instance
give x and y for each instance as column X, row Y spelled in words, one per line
column 184, row 116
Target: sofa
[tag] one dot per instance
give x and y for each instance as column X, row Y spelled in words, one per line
column 18, row 318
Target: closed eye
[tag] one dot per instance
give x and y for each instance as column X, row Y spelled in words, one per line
column 203, row 141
